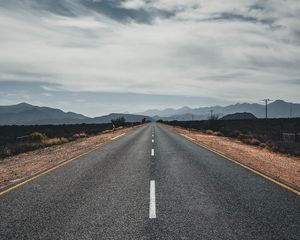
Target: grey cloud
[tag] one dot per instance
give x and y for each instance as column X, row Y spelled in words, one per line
column 230, row 16
column 114, row 10
column 74, row 8
column 294, row 81
column 256, row 7
column 222, row 77
column 212, row 50
column 63, row 7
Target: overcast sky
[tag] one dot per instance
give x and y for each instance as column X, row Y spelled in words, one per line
column 101, row 56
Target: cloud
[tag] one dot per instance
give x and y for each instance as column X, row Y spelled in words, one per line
column 241, row 50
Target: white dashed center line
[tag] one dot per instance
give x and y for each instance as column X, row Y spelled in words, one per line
column 152, row 140
column 152, row 152
column 152, row 206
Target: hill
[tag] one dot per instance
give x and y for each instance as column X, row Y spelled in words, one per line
column 239, row 116
column 26, row 114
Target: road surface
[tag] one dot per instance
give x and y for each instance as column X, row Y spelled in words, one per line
column 150, row 184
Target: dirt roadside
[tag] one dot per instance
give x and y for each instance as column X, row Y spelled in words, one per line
column 16, row 168
column 280, row 166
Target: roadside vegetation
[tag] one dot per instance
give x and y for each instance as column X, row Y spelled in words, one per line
column 264, row 133
column 19, row 139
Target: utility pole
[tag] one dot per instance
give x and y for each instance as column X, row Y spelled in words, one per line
column 211, row 113
column 266, row 103
column 291, row 110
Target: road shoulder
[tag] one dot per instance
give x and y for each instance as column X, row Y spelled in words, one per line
column 283, row 168
column 19, row 168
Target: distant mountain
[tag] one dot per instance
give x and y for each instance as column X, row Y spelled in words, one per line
column 26, row 114
column 239, row 116
column 166, row 112
column 181, row 117
column 276, row 109
column 128, row 118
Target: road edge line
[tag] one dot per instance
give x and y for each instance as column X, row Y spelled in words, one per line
column 13, row 186
column 116, row 137
column 250, row 168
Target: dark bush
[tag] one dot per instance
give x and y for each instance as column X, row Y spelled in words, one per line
column 18, row 139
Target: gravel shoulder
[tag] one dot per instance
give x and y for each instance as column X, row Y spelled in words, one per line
column 16, row 168
column 282, row 167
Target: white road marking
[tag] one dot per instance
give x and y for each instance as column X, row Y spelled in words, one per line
column 152, row 135
column 152, row 152
column 117, row 136
column 152, row 206
column 192, row 139
column 152, row 140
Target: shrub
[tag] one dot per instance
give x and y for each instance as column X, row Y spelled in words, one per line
column 6, row 151
column 242, row 137
column 211, row 132
column 263, row 145
column 64, row 140
column 274, row 149
column 218, row 134
column 120, row 121
column 37, row 136
column 17, row 139
column 213, row 122
column 79, row 135
column 246, row 141
column 54, row 141
column 233, row 134
column 255, row 142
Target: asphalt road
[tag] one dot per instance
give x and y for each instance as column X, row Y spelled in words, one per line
column 106, row 194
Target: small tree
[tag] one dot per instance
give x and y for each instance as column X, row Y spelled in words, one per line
column 118, row 122
column 143, row 120
column 213, row 122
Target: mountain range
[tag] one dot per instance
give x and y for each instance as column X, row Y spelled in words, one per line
column 276, row 109
column 26, row 114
